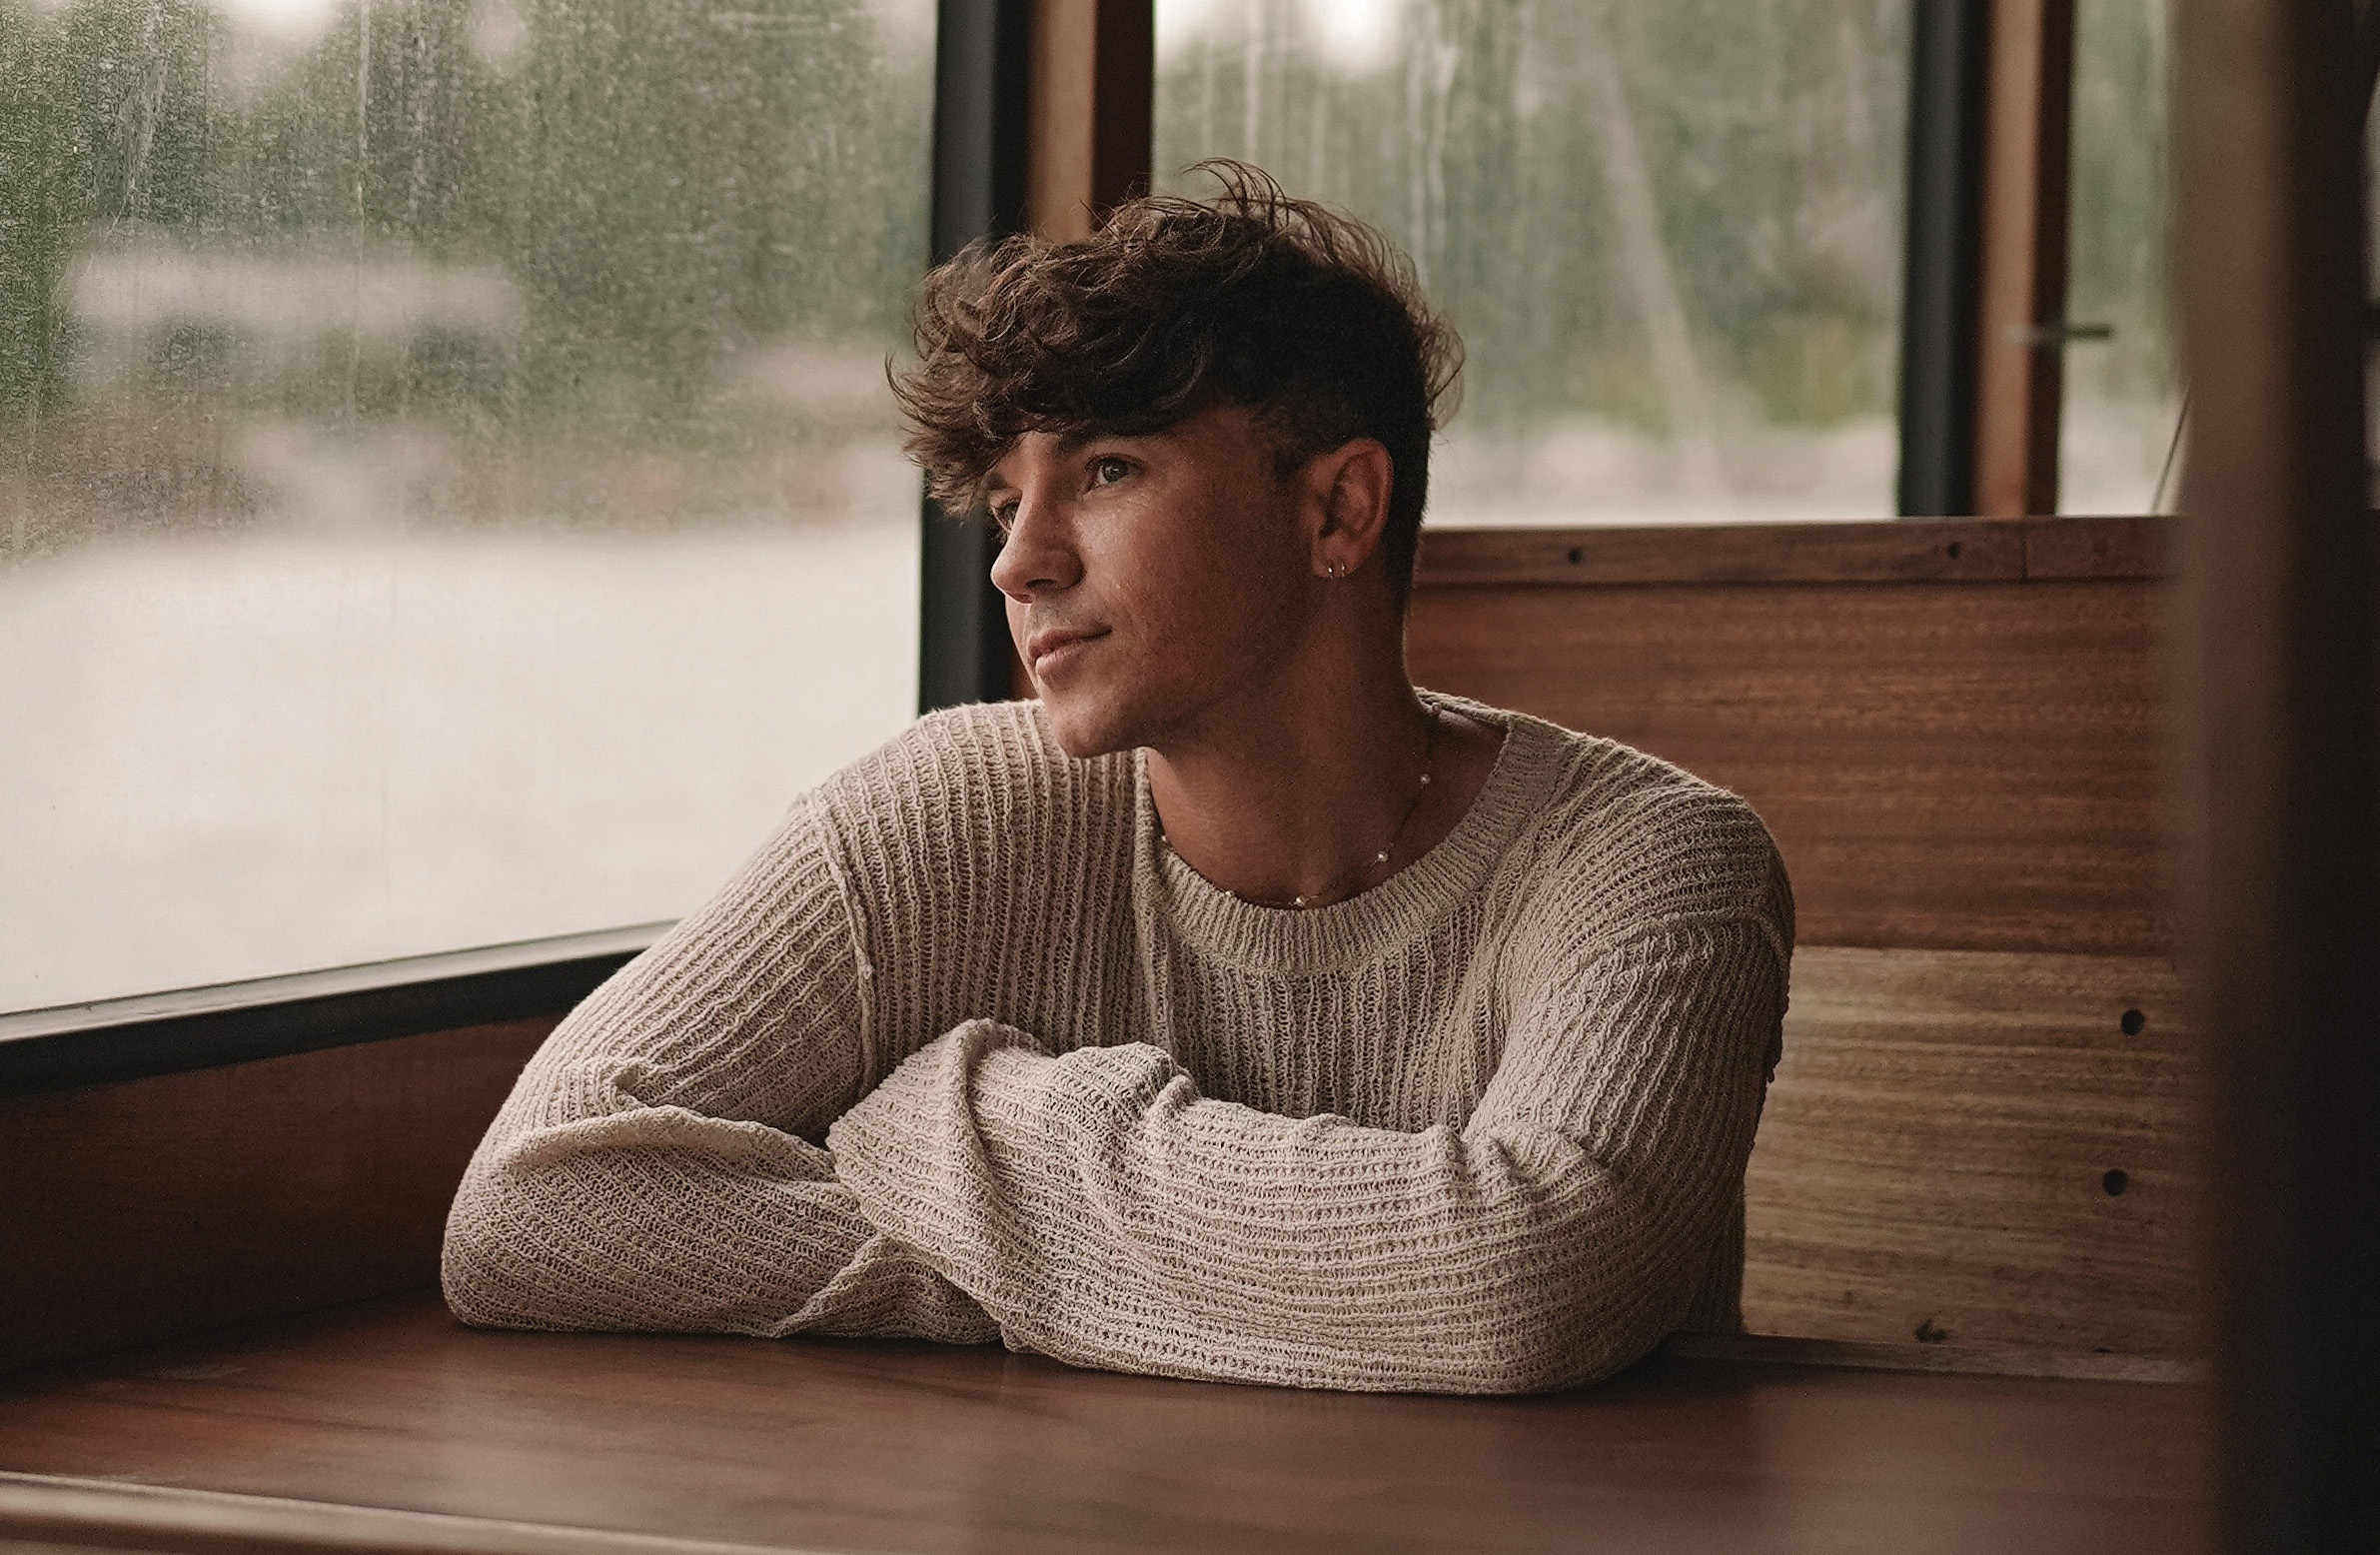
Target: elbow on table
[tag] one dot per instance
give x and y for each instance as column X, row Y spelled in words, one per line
column 465, row 1256
column 480, row 1261
column 1580, row 1329
column 1551, row 1360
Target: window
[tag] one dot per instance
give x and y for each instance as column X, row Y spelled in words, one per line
column 1670, row 232
column 449, row 492
column 2121, row 397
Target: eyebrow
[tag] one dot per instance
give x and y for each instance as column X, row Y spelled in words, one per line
column 1076, row 442
column 1069, row 443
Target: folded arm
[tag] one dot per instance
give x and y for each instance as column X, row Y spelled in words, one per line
column 1105, row 1213
column 650, row 1170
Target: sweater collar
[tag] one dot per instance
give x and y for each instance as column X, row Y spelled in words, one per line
column 1363, row 927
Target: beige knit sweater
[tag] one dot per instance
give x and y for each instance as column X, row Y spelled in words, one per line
column 1480, row 1130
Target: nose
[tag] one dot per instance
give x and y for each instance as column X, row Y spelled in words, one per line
column 1038, row 557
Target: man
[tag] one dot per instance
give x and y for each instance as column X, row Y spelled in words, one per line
column 1232, row 1010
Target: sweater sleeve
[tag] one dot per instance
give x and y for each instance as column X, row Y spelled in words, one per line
column 655, row 1167
column 1104, row 1213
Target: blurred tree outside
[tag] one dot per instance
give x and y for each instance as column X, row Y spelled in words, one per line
column 2121, row 393
column 563, row 225
column 1667, row 230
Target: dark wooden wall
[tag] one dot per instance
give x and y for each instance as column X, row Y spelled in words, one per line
column 176, row 1204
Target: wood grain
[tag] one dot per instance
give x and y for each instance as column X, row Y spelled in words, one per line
column 1064, row 105
column 913, row 1447
column 2097, row 548
column 1978, row 551
column 70, row 1514
column 1904, row 551
column 1093, row 65
column 1932, row 1163
column 2022, row 291
column 1912, row 1355
column 1945, row 766
column 184, row 1203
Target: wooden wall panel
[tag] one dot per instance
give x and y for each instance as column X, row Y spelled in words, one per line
column 1898, row 550
column 1904, row 551
column 1947, row 765
column 1933, row 1159
column 2022, row 301
column 168, row 1206
column 1094, row 64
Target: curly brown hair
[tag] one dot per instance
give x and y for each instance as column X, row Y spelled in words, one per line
column 1307, row 317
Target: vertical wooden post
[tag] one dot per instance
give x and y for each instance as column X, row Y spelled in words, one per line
column 1094, row 64
column 2020, row 353
column 2281, row 759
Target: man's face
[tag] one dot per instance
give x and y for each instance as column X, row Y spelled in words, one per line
column 1151, row 580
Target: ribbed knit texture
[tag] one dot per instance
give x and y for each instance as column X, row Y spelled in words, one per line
column 1481, row 1128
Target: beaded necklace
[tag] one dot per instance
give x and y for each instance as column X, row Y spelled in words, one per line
column 1298, row 903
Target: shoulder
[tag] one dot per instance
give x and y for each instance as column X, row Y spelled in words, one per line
column 1626, row 843
column 981, row 779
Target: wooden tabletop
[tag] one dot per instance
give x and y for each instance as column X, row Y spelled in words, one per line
column 850, row 1446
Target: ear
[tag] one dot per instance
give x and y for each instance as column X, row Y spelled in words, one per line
column 1346, row 501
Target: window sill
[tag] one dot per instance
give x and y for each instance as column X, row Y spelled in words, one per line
column 107, row 1040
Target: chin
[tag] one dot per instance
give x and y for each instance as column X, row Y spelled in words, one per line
column 1085, row 725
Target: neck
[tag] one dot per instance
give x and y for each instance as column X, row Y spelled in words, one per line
column 1293, row 791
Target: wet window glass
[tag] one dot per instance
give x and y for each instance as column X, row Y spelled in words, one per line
column 2116, row 442
column 1669, row 231
column 449, row 492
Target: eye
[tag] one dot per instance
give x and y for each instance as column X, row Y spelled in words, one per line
column 1108, row 469
column 1003, row 518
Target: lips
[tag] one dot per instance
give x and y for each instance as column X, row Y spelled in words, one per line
column 1053, row 645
